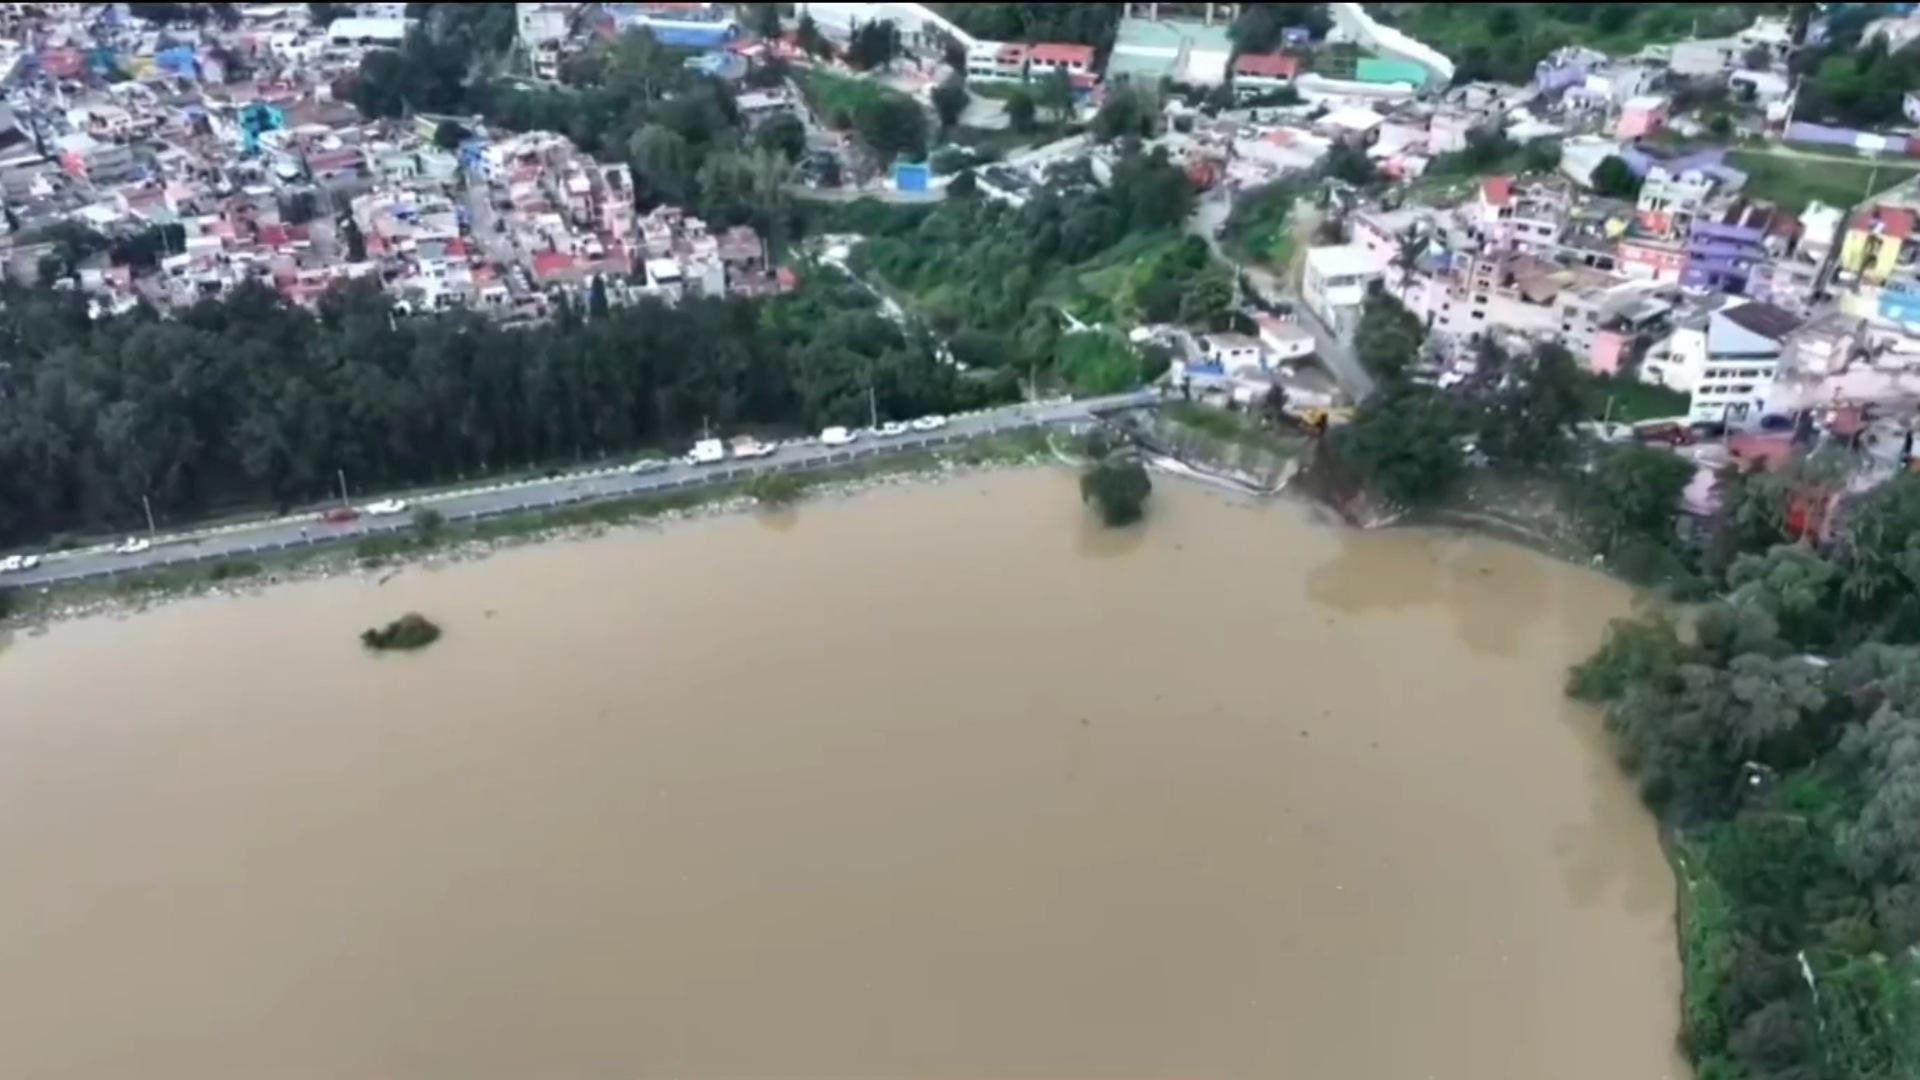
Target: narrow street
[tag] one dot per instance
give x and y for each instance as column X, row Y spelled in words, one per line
column 1334, row 355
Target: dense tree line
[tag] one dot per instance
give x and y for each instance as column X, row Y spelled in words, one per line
column 1086, row 24
column 248, row 400
column 1780, row 736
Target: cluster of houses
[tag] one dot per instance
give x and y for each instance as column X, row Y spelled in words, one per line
column 228, row 150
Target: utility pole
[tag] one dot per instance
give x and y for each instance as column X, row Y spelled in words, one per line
column 344, row 500
column 873, row 408
column 147, row 504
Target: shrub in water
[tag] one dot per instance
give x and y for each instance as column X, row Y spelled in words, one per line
column 409, row 631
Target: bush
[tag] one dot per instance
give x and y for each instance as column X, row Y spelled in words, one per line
column 776, row 489
column 233, row 570
column 1118, row 489
column 410, row 631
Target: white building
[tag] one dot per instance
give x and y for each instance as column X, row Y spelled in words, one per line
column 1234, row 352
column 1705, row 57
column 1669, row 200
column 921, row 28
column 1725, row 361
column 1335, row 284
column 366, row 33
column 543, row 24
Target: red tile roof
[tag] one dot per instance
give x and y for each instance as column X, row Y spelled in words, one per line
column 548, row 263
column 1896, row 221
column 1267, row 65
column 1496, row 189
column 1049, row 52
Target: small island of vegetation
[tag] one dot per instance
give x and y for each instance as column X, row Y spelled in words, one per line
column 410, row 631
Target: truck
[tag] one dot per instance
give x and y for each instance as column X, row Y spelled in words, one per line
column 746, row 447
column 707, row 451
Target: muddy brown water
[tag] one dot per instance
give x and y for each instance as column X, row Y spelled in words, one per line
column 931, row 782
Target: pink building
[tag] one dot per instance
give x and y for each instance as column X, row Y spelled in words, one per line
column 1641, row 116
column 1609, row 350
column 1645, row 259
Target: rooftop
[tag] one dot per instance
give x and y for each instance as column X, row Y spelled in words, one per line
column 1340, row 260
column 1267, row 65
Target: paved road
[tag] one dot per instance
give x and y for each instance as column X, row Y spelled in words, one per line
column 1333, row 353
column 474, row 503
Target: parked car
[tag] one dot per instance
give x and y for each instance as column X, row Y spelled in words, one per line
column 385, row 507
column 1673, row 434
column 134, row 545
column 891, row 429
column 28, row 562
column 340, row 515
column 836, row 436
column 929, row 423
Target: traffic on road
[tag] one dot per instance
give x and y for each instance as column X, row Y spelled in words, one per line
column 710, row 461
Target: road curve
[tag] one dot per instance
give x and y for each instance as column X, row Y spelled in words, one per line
column 476, row 503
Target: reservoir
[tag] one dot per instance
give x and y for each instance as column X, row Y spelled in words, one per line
column 934, row 781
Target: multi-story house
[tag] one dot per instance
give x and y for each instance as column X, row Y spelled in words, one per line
column 1724, row 246
column 1879, row 241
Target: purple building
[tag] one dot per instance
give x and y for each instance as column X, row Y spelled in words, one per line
column 1724, row 247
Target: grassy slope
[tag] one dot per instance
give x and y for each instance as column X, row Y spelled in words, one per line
column 1794, row 182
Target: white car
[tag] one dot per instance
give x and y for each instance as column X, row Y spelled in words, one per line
column 929, row 423
column 836, row 436
column 28, row 562
column 134, row 545
column 891, row 429
column 646, row 465
column 385, row 508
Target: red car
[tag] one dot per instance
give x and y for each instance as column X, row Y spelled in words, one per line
column 340, row 515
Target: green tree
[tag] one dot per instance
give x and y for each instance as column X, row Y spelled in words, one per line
column 874, row 45
column 1125, row 112
column 1389, row 336
column 808, row 36
column 1118, row 488
column 1405, row 443
column 950, row 99
column 449, row 134
column 1633, row 493
column 762, row 20
column 783, row 134
column 1020, row 110
column 1797, row 587
column 1529, row 421
column 1054, row 92
column 1349, row 162
column 1614, row 179
column 892, row 126
column 664, row 160
column 356, row 243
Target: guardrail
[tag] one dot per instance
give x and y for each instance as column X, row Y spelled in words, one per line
column 377, row 528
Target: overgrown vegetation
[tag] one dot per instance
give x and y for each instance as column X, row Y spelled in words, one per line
column 1777, row 738
column 1117, row 485
column 1258, row 230
column 410, row 631
column 994, row 277
column 1503, row 42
